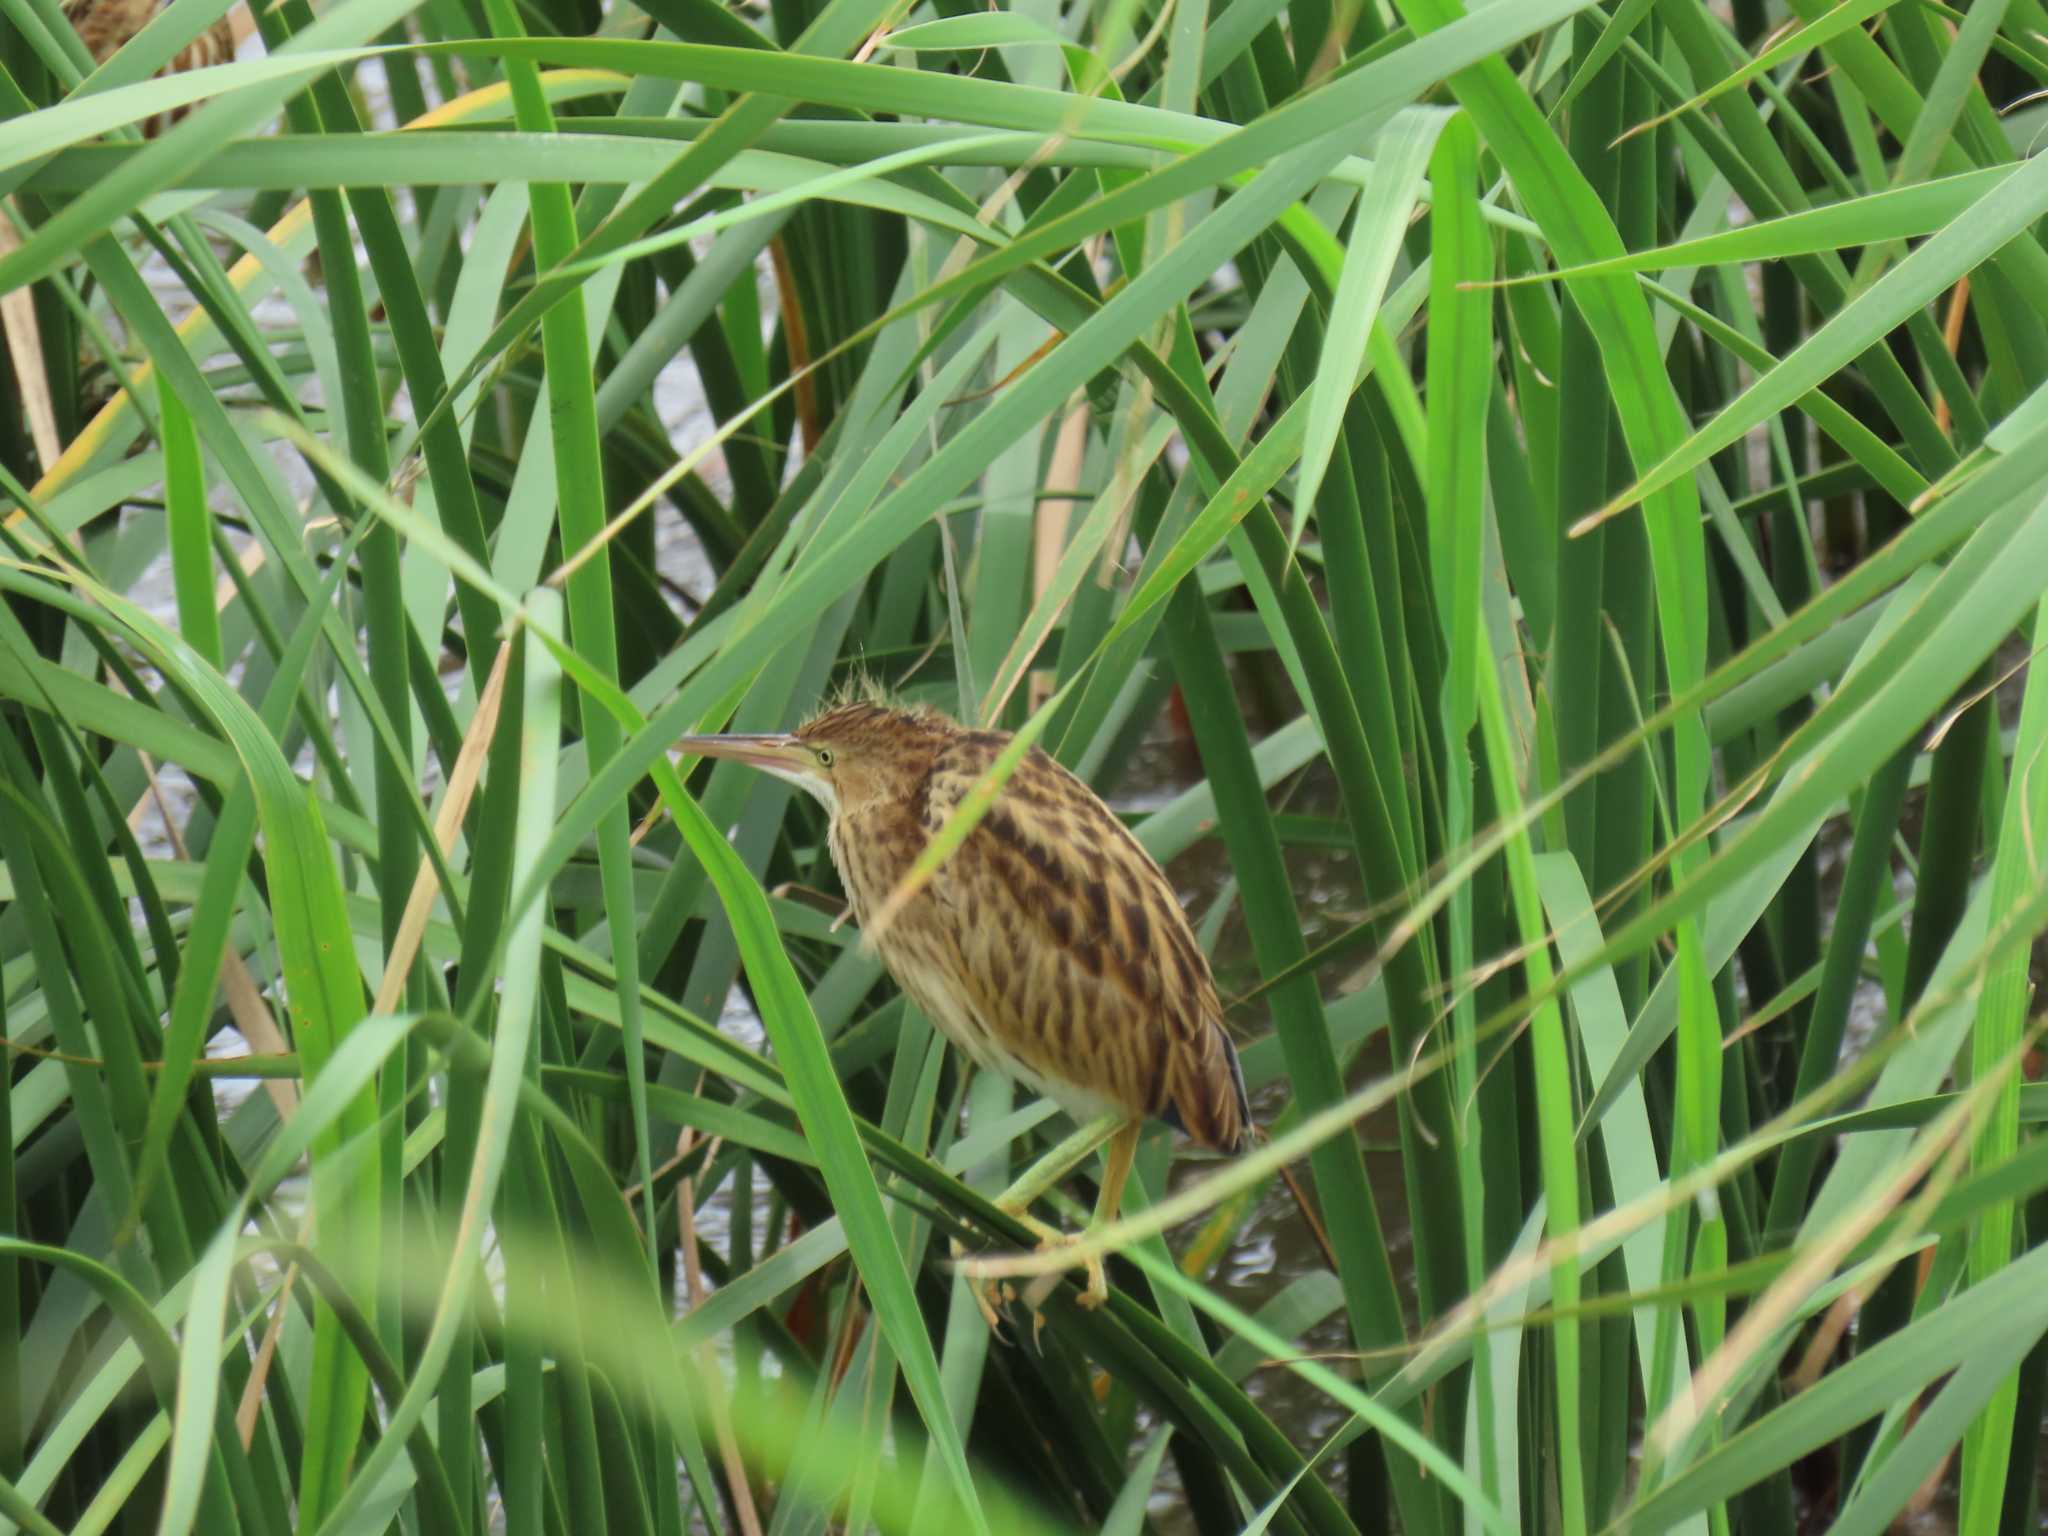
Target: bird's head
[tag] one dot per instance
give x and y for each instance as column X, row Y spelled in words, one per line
column 852, row 754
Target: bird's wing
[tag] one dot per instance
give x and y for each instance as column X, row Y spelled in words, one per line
column 1088, row 969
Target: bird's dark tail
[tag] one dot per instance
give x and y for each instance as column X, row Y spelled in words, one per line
column 1206, row 1096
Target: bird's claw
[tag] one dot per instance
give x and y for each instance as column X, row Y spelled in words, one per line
column 1051, row 1239
column 1096, row 1291
column 991, row 1296
column 994, row 1297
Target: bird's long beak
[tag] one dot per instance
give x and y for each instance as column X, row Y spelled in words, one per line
column 773, row 754
column 784, row 756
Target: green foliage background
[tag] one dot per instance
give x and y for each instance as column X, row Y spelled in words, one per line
column 1610, row 434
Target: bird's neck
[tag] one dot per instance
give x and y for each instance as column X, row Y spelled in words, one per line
column 874, row 843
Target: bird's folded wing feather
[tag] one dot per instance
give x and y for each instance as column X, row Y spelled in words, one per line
column 1087, row 965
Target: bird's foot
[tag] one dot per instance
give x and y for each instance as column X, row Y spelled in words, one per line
column 1093, row 1294
column 995, row 1297
column 1096, row 1291
column 991, row 1296
column 1098, row 1283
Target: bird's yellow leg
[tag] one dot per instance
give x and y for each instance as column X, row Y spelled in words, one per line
column 1116, row 1172
column 1057, row 1164
column 1041, row 1176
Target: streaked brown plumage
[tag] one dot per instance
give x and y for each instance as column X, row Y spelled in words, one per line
column 105, row 25
column 1049, row 946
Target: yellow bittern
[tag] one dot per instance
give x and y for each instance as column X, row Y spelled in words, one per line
column 1049, row 946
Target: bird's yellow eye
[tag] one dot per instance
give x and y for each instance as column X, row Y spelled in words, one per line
column 824, row 757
